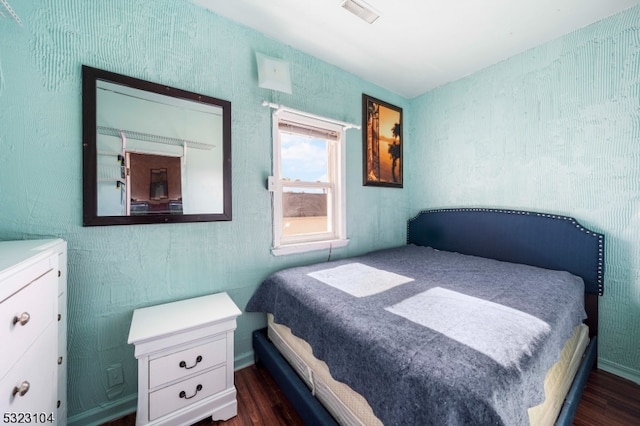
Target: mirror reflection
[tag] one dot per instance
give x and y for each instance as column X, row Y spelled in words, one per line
column 160, row 154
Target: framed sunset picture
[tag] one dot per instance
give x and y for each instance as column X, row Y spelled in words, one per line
column 382, row 143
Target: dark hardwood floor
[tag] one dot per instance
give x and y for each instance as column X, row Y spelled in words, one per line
column 608, row 400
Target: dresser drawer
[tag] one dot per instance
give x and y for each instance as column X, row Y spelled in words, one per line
column 35, row 304
column 187, row 392
column 35, row 371
column 186, row 362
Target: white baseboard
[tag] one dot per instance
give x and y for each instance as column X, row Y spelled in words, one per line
column 619, row 370
column 105, row 413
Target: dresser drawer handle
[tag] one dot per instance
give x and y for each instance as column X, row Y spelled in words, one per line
column 183, row 394
column 22, row 389
column 183, row 364
column 23, row 319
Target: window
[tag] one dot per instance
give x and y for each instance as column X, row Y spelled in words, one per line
column 307, row 183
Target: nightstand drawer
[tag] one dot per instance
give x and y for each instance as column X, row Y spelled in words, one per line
column 25, row 315
column 186, row 362
column 187, row 392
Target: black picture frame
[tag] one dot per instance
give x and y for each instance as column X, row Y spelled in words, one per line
column 158, row 187
column 382, row 143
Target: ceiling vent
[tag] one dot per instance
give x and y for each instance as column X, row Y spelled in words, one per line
column 362, row 10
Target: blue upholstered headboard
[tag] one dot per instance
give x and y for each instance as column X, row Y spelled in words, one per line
column 537, row 239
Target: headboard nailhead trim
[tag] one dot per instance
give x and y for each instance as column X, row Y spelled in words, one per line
column 600, row 270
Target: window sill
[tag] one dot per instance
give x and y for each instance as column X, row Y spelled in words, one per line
column 306, row 247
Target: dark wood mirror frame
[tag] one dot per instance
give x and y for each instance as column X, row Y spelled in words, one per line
column 90, row 78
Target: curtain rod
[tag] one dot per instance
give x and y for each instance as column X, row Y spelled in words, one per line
column 306, row 114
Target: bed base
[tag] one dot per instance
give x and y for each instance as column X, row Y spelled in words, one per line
column 313, row 412
column 296, row 391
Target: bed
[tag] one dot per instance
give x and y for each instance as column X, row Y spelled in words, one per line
column 417, row 334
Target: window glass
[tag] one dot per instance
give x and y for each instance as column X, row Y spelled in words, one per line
column 304, row 211
column 304, row 158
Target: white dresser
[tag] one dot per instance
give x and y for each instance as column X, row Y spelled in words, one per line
column 185, row 360
column 33, row 310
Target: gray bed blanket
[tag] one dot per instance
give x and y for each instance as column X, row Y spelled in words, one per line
column 431, row 337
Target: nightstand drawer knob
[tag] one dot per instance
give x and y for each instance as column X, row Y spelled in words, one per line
column 183, row 394
column 183, row 364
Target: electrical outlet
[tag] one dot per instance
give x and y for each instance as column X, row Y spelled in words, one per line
column 115, row 375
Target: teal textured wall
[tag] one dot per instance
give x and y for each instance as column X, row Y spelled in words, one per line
column 113, row 270
column 554, row 129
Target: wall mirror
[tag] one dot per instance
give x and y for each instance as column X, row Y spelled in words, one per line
column 152, row 153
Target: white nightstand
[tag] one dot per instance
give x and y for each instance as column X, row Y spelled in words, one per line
column 185, row 360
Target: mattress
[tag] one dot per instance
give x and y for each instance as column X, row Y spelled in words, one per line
column 350, row 408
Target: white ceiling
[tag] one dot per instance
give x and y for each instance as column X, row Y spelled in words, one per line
column 416, row 45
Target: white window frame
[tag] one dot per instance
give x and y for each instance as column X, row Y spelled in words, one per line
column 336, row 204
